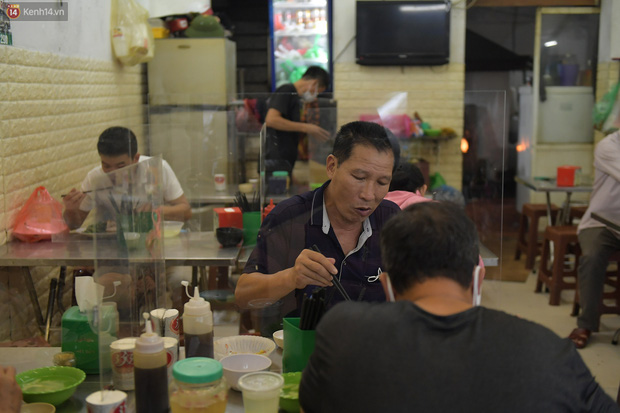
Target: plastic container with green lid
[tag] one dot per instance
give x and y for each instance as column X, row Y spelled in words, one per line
column 275, row 187
column 198, row 385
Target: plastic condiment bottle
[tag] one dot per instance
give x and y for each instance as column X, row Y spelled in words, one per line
column 198, row 326
column 198, row 386
column 150, row 372
column 268, row 208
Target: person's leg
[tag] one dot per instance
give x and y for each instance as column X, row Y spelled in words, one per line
column 597, row 245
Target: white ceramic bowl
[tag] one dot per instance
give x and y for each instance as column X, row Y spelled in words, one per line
column 236, row 365
column 172, row 228
column 226, row 346
column 278, row 337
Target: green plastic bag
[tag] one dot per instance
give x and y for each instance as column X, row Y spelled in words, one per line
column 603, row 108
column 437, row 181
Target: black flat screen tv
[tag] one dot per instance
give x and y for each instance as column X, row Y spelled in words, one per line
column 412, row 33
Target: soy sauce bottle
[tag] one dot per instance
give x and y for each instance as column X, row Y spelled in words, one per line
column 197, row 326
column 150, row 372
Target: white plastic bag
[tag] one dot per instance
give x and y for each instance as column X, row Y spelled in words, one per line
column 132, row 37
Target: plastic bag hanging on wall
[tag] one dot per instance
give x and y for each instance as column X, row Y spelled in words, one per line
column 132, row 37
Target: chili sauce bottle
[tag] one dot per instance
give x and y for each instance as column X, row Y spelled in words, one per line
column 198, row 327
column 150, row 372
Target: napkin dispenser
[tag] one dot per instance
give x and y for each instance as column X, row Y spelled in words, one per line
column 82, row 325
column 568, row 175
column 227, row 217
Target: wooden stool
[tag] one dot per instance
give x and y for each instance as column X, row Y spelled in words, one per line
column 565, row 241
column 577, row 212
column 529, row 243
column 612, row 279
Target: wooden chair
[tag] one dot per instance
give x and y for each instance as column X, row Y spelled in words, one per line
column 554, row 276
column 527, row 240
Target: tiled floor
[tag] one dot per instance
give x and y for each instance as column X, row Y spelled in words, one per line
column 517, row 298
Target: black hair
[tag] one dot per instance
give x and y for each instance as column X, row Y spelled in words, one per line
column 318, row 73
column 360, row 133
column 407, row 177
column 116, row 141
column 428, row 240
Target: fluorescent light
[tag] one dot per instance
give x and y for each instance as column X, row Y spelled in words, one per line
column 422, row 7
column 551, row 43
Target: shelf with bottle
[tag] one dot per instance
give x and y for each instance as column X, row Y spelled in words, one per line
column 302, row 21
column 310, row 32
column 299, row 4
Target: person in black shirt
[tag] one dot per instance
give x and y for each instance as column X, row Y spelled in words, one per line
column 342, row 218
column 432, row 350
column 283, row 119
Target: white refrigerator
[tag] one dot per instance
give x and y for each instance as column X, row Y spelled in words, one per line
column 191, row 83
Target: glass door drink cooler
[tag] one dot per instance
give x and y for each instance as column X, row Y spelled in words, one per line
column 301, row 36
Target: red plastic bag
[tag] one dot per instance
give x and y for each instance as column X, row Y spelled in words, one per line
column 247, row 118
column 40, row 218
column 401, row 125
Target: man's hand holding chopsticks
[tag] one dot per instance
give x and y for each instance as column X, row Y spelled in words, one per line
column 313, row 268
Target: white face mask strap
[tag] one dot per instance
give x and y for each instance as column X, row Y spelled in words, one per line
column 476, row 296
column 390, row 291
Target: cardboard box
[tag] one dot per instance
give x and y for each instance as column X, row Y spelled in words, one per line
column 568, row 175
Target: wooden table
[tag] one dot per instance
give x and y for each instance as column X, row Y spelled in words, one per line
column 549, row 185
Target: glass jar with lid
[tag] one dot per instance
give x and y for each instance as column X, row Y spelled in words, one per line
column 198, row 386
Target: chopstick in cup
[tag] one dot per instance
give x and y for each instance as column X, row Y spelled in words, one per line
column 335, row 279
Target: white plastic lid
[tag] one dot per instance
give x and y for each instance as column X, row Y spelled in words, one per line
column 149, row 342
column 197, row 306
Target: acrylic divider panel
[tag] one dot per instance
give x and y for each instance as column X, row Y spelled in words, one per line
column 130, row 272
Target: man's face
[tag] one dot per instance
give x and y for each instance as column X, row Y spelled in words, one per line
column 112, row 163
column 312, row 91
column 359, row 184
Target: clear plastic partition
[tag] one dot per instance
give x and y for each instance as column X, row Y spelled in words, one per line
column 488, row 185
column 218, row 156
column 129, row 277
column 462, row 157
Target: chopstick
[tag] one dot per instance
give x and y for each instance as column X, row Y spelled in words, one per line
column 312, row 309
column 335, row 279
column 91, row 190
column 85, row 192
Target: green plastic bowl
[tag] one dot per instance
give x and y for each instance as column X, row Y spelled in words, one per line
column 289, row 395
column 51, row 385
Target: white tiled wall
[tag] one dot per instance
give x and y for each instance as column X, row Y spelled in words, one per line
column 52, row 109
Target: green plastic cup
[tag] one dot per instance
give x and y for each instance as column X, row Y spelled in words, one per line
column 299, row 345
column 251, row 225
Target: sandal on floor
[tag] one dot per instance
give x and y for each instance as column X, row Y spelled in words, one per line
column 580, row 337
